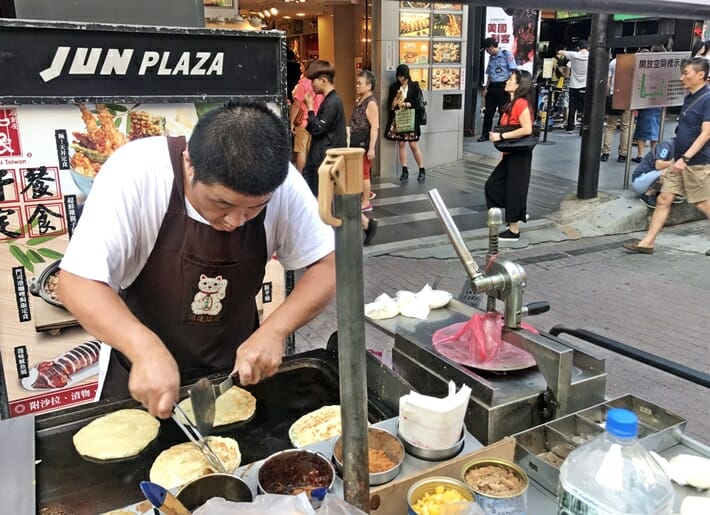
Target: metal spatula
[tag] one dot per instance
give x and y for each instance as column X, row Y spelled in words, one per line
column 202, row 396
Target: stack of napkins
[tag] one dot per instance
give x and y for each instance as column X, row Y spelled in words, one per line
column 431, row 422
column 407, row 303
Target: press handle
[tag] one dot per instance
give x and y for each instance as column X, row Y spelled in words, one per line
column 535, row 308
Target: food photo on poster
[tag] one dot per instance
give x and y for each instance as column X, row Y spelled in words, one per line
column 446, row 52
column 414, row 24
column 447, row 25
column 413, row 52
column 49, row 158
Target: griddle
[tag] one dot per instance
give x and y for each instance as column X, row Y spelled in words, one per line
column 69, row 484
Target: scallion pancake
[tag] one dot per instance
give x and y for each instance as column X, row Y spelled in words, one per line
column 121, row 434
column 316, row 426
column 234, row 405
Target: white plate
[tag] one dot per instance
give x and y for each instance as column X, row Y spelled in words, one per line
column 80, row 376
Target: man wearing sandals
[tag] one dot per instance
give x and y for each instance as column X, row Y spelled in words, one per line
column 690, row 173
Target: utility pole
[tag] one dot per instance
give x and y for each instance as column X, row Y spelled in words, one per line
column 594, row 103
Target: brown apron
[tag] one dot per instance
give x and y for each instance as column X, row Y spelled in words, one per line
column 196, row 291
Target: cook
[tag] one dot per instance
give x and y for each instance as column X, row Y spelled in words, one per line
column 170, row 252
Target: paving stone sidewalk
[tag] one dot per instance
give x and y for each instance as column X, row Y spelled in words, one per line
column 657, row 303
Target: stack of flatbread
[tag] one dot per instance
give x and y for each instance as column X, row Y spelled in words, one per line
column 121, row 434
column 184, row 462
column 234, row 405
column 319, row 425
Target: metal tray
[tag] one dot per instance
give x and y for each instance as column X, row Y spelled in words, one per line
column 67, row 483
column 538, row 449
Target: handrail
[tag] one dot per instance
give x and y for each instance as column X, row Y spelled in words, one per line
column 676, row 369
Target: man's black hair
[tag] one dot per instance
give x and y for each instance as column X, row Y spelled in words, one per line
column 489, row 42
column 243, row 146
column 699, row 64
column 583, row 44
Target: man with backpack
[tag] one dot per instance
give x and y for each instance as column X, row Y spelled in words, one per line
column 500, row 64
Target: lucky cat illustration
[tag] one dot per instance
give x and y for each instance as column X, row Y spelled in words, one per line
column 211, row 291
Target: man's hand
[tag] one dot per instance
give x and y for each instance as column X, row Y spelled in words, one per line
column 483, row 92
column 308, row 100
column 678, row 166
column 155, row 381
column 370, row 154
column 259, row 356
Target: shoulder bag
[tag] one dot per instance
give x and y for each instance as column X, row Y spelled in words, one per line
column 511, row 145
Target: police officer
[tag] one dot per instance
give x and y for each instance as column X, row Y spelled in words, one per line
column 500, row 64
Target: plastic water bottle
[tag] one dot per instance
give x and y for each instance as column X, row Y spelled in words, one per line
column 614, row 475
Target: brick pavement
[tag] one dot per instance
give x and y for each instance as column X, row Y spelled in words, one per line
column 657, row 303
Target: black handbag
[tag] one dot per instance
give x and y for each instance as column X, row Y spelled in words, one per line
column 511, row 145
column 360, row 139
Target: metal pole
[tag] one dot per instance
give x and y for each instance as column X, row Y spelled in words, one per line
column 662, row 129
column 351, row 350
column 548, row 114
column 630, row 147
column 594, row 102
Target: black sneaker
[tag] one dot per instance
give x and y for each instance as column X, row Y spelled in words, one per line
column 508, row 235
column 484, row 137
column 604, row 157
column 621, row 159
column 636, row 159
column 649, row 200
column 370, row 231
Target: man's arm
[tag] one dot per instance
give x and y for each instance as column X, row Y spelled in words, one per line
column 697, row 145
column 260, row 355
column 373, row 119
column 321, row 123
column 154, row 380
column 295, row 108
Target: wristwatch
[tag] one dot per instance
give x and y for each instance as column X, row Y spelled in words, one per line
column 686, row 158
column 501, row 136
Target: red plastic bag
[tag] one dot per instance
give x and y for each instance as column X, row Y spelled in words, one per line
column 478, row 344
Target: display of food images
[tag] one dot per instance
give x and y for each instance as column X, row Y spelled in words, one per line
column 447, row 25
column 445, row 78
column 414, row 52
column 414, row 24
column 446, row 52
column 420, row 75
column 448, row 7
column 414, row 5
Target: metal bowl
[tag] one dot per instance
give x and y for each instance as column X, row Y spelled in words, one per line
column 490, row 503
column 198, row 491
column 38, row 284
column 378, row 439
column 433, row 454
column 293, row 471
column 429, row 485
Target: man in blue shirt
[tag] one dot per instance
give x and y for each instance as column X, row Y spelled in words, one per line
column 500, row 63
column 690, row 173
column 648, row 176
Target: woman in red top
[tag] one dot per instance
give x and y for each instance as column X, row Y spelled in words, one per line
column 507, row 187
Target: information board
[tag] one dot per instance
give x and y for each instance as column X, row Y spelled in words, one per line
column 648, row 79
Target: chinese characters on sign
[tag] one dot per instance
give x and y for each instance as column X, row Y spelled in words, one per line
column 21, row 361
column 23, row 304
column 52, row 401
column 500, row 32
column 656, row 80
column 9, row 134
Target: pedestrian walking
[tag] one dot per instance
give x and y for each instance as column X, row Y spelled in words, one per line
column 690, row 174
column 614, row 118
column 327, row 127
column 507, row 186
column 405, row 94
column 500, row 64
column 578, row 62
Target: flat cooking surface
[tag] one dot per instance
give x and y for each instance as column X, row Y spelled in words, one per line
column 68, row 484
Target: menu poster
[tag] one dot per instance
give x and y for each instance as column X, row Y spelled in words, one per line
column 414, row 52
column 414, row 5
column 420, row 75
column 448, row 7
column 49, row 155
column 445, row 78
column 414, row 24
column 446, row 52
column 447, row 25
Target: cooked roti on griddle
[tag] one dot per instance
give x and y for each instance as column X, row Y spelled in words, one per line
column 184, row 462
column 121, row 434
column 234, row 405
column 316, row 426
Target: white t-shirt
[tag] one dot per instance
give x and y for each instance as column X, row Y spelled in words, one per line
column 122, row 217
column 578, row 68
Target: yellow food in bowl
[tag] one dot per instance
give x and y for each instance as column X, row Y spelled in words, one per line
column 431, row 503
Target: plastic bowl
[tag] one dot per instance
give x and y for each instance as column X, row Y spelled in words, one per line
column 198, row 491
column 381, row 440
column 293, row 471
column 83, row 182
column 433, row 454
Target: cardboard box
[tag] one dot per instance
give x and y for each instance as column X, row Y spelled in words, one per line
column 391, row 498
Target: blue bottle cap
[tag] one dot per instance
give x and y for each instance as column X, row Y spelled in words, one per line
column 622, row 423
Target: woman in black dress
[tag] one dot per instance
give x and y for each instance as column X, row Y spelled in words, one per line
column 405, row 94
